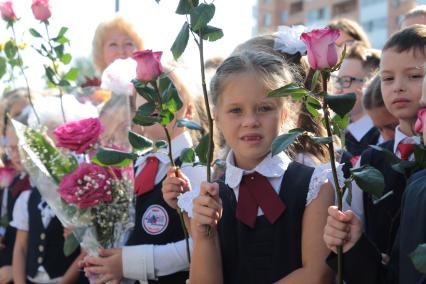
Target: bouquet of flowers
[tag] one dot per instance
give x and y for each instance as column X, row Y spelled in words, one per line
column 92, row 199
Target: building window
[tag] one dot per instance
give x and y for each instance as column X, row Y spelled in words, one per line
column 375, row 24
column 344, row 7
column 296, row 7
column 267, row 19
column 315, row 15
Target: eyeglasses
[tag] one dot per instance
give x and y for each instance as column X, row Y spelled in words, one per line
column 346, row 81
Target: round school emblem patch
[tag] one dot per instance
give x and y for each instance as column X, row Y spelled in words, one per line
column 155, row 220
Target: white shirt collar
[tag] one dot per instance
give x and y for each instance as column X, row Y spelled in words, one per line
column 270, row 167
column 359, row 128
column 179, row 143
column 400, row 137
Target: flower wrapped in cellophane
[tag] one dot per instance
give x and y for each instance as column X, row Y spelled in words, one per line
column 94, row 200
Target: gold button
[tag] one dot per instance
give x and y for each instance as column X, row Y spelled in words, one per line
column 41, row 248
column 40, row 260
column 42, row 236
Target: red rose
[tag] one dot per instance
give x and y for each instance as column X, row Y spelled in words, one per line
column 321, row 47
column 41, row 9
column 149, row 65
column 87, row 186
column 78, row 136
column 7, row 13
column 421, row 116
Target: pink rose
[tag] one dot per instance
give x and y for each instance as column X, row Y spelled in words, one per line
column 149, row 65
column 78, row 136
column 7, row 13
column 321, row 47
column 421, row 116
column 41, row 9
column 6, row 176
column 87, row 186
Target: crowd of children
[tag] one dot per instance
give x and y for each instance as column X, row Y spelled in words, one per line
column 265, row 219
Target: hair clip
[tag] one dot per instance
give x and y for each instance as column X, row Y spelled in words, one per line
column 287, row 39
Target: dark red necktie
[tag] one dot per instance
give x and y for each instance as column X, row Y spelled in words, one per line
column 255, row 190
column 405, row 150
column 145, row 181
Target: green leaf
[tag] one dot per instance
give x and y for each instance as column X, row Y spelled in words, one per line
column 34, row 33
column 50, row 74
column 146, row 109
column 62, row 32
column 112, row 157
column 201, row 15
column 202, row 149
column 211, row 33
column 160, row 144
column 291, row 89
column 184, row 7
column 164, row 83
column 70, row 245
column 172, row 101
column 341, row 104
column 418, row 257
column 166, row 117
column 190, row 124
column 390, row 157
column 419, row 155
column 187, row 156
column 59, row 50
column 146, row 120
column 402, row 166
column 140, row 144
column 143, row 90
column 340, row 122
column 71, row 75
column 3, row 66
column 322, row 140
column 61, row 40
column 312, row 105
column 10, row 49
column 369, row 179
column 283, row 141
column 66, row 58
column 315, row 77
column 181, row 41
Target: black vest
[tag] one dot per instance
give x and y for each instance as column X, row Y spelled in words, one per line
column 45, row 246
column 357, row 147
column 14, row 190
column 270, row 251
column 158, row 224
column 382, row 218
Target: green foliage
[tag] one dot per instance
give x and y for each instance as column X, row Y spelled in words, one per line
column 184, row 122
column 166, row 117
column 370, row 180
column 3, row 66
column 141, row 145
column 201, row 15
column 202, row 149
column 171, row 101
column 181, row 41
column 283, row 141
column 211, row 33
column 145, row 91
column 70, row 245
column 187, row 155
column 341, row 104
column 34, row 33
column 315, row 78
column 56, row 164
column 71, row 75
column 161, row 144
column 418, row 257
column 322, row 140
column 112, row 157
column 184, row 7
column 10, row 49
column 291, row 89
column 313, row 105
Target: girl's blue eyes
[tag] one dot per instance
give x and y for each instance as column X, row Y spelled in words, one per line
column 260, row 109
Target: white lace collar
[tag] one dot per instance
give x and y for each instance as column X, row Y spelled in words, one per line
column 270, row 167
column 401, row 137
column 179, row 143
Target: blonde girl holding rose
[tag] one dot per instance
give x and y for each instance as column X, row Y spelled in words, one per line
column 280, row 242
